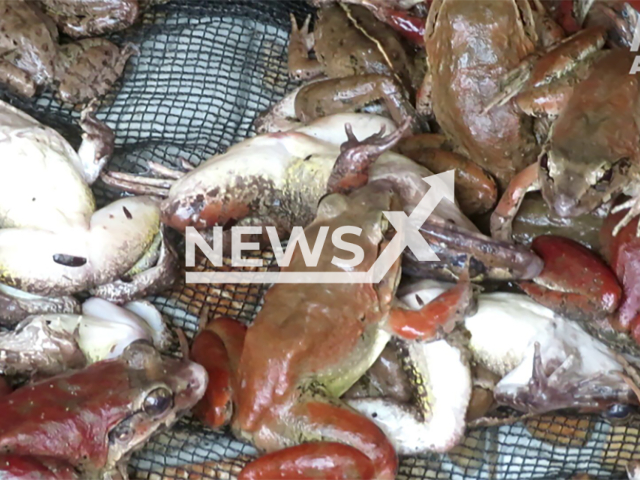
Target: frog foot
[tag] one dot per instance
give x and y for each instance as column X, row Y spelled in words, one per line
column 575, row 282
column 301, row 42
column 139, row 185
column 351, row 170
column 551, row 391
column 633, row 206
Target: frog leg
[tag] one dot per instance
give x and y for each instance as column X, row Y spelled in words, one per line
column 16, row 305
column 22, row 466
column 574, row 54
column 439, row 316
column 351, row 94
column 351, row 170
column 98, row 141
column 217, row 348
column 476, row 190
column 93, row 17
column 139, row 185
column 16, row 79
column 301, row 42
column 502, row 218
column 563, row 286
column 342, row 445
column 551, row 388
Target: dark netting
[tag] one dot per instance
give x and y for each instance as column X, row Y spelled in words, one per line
column 205, row 70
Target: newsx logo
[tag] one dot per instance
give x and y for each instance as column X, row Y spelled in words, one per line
column 407, row 228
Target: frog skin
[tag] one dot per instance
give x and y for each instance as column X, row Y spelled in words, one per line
column 45, row 345
column 311, row 342
column 591, row 155
column 365, row 62
column 97, row 424
column 30, row 57
column 81, row 18
column 278, row 179
column 53, row 244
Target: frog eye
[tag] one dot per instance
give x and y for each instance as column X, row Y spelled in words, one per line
column 123, row 433
column 158, row 401
column 618, row 411
column 608, row 175
column 544, row 162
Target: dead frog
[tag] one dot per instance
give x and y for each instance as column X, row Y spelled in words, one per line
column 359, row 62
column 31, row 57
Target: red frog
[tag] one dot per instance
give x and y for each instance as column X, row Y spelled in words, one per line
column 311, row 342
column 85, row 424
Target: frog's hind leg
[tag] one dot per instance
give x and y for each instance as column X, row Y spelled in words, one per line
column 301, row 42
column 342, row 445
column 353, row 94
column 502, row 218
column 439, row 316
column 217, row 348
column 572, row 56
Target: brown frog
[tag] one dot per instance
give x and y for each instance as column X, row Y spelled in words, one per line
column 85, row 424
column 365, row 60
column 31, row 57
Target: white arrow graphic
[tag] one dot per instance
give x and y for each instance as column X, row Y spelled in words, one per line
column 408, row 227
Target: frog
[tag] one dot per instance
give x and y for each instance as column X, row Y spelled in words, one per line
column 365, row 62
column 278, row 179
column 98, row 424
column 55, row 244
column 591, row 154
column 312, row 341
column 31, row 57
column 91, row 18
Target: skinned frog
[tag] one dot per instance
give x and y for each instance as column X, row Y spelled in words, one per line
column 91, row 18
column 591, row 155
column 365, row 62
column 53, row 243
column 30, row 57
column 97, row 424
column 311, row 342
